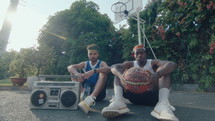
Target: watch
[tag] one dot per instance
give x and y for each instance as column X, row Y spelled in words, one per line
column 94, row 71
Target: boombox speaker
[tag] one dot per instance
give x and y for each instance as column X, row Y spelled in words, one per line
column 55, row 95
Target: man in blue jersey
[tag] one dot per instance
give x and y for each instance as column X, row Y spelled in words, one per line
column 94, row 76
column 156, row 96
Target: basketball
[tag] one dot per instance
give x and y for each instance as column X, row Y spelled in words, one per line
column 137, row 80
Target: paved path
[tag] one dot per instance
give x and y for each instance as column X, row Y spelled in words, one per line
column 190, row 106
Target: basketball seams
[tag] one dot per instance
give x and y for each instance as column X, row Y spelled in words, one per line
column 140, row 83
column 137, row 80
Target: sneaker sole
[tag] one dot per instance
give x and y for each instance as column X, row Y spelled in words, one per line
column 112, row 114
column 83, row 107
column 156, row 115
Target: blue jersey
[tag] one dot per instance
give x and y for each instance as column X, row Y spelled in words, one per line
column 94, row 78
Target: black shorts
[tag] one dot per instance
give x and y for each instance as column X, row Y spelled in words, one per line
column 149, row 98
column 101, row 95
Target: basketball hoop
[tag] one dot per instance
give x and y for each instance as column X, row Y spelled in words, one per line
column 130, row 8
column 120, row 9
column 123, row 9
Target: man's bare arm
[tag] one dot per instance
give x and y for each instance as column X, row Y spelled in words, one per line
column 73, row 68
column 104, row 69
column 164, row 67
column 73, row 71
column 118, row 69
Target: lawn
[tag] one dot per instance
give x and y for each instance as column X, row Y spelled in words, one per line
column 6, row 82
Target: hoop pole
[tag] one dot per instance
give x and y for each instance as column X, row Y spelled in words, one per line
column 144, row 36
column 148, row 43
column 138, row 26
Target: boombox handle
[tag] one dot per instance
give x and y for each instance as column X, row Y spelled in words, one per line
column 43, row 77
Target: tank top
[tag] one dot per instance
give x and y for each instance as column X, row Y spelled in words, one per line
column 148, row 65
column 88, row 66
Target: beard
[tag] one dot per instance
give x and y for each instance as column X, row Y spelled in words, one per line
column 141, row 61
column 93, row 59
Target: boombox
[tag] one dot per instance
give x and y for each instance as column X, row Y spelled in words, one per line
column 55, row 95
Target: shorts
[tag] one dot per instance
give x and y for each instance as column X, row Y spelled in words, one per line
column 149, row 98
column 101, row 95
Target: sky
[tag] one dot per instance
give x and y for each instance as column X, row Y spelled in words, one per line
column 31, row 15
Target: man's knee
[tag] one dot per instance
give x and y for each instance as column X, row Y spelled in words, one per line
column 165, row 78
column 103, row 76
column 164, row 81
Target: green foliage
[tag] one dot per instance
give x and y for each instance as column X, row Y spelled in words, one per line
column 188, row 32
column 191, row 23
column 82, row 25
column 5, row 61
column 178, row 30
column 32, row 61
column 40, row 60
column 181, row 31
column 18, row 66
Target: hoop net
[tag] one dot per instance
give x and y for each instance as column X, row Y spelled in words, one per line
column 120, row 10
column 125, row 8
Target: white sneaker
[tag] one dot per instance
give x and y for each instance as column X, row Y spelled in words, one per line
column 86, row 103
column 116, row 108
column 111, row 100
column 164, row 111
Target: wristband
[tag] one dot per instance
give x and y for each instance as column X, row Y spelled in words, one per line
column 94, row 71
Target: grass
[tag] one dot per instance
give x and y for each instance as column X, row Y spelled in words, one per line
column 6, row 82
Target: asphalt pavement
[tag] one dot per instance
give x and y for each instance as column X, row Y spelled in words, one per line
column 190, row 106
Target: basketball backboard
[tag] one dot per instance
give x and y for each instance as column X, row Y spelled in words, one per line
column 125, row 8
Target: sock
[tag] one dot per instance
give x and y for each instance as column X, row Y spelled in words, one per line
column 164, row 94
column 118, row 92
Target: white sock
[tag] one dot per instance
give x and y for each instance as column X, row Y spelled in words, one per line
column 118, row 92
column 164, row 94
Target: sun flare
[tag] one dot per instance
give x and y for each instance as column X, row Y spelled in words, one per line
column 25, row 28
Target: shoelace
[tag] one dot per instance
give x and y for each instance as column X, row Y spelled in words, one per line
column 90, row 101
column 170, row 107
column 115, row 103
column 112, row 100
column 93, row 103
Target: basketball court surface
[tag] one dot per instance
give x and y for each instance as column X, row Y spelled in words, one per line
column 190, row 106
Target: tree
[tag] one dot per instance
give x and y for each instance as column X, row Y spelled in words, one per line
column 5, row 61
column 189, row 29
column 18, row 67
column 81, row 25
column 40, row 60
column 32, row 61
column 181, row 31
